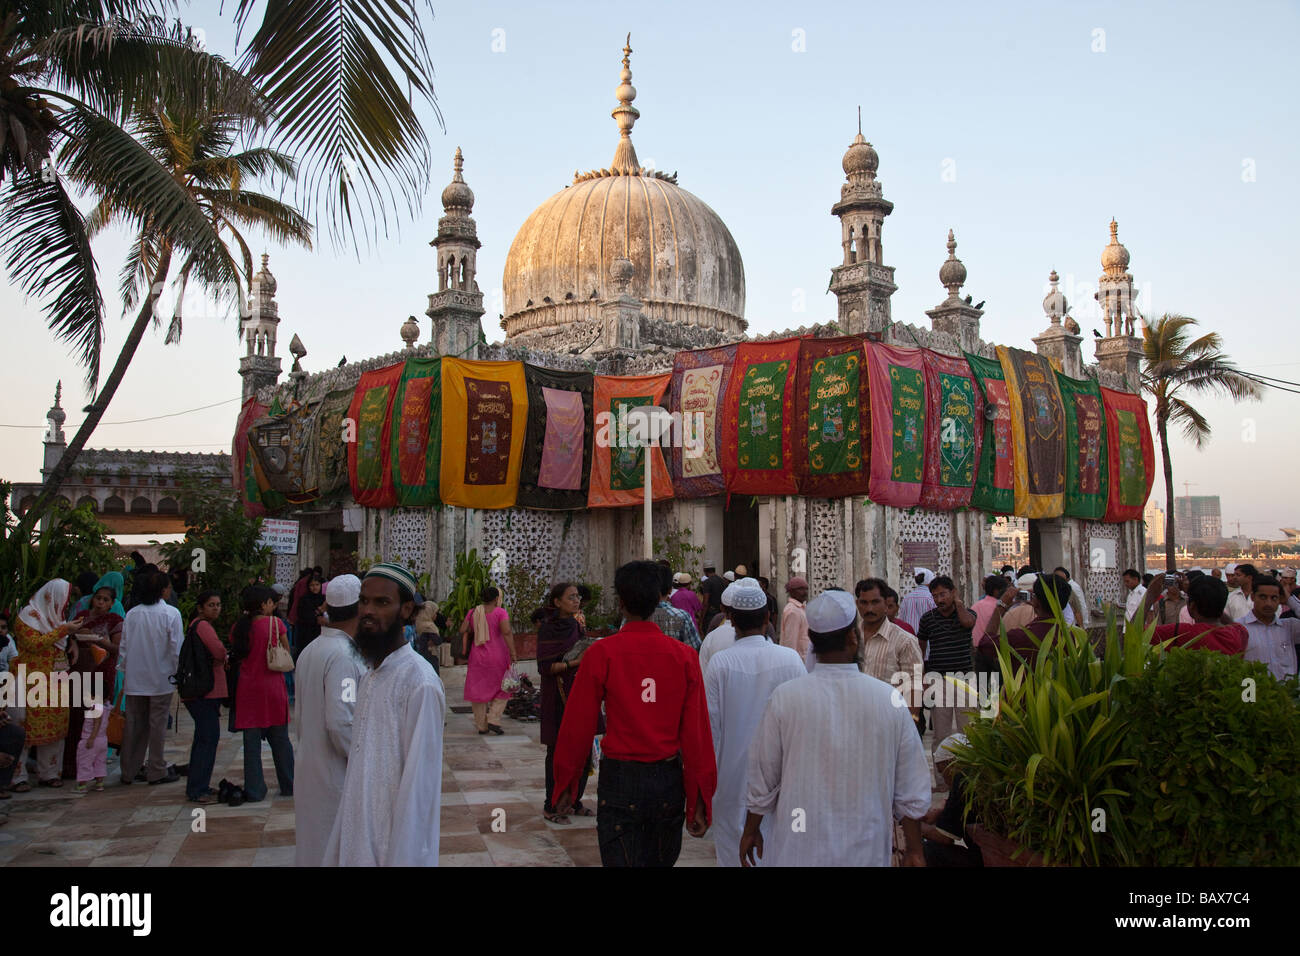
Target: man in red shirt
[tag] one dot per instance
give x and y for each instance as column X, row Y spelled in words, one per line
column 1212, row 631
column 657, row 768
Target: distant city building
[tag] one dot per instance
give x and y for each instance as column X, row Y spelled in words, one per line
column 1010, row 537
column 1154, row 516
column 1198, row 518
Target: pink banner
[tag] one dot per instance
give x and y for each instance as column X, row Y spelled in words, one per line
column 562, row 451
column 897, row 424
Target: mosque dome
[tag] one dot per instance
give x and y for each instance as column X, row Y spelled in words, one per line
column 686, row 267
column 1114, row 258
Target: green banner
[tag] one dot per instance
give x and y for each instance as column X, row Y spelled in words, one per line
column 1085, row 448
column 370, row 433
column 1132, row 470
column 994, row 489
column 416, row 433
column 956, row 431
column 626, row 459
column 907, row 388
column 761, row 415
column 834, row 424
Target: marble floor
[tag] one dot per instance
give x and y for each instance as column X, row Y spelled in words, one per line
column 492, row 792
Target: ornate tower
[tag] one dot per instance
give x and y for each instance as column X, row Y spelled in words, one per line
column 954, row 315
column 1121, row 349
column 458, row 304
column 862, row 282
column 1061, row 339
column 55, row 443
column 260, row 367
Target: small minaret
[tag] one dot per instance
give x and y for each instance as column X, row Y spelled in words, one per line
column 55, row 443
column 1060, row 340
column 260, row 367
column 458, row 304
column 953, row 315
column 1121, row 349
column 862, row 282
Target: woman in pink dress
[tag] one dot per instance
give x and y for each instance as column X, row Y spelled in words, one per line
column 261, row 698
column 490, row 646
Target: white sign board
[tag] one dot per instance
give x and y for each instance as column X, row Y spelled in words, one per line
column 1101, row 554
column 280, row 535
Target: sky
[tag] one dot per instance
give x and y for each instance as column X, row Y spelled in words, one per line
column 1024, row 127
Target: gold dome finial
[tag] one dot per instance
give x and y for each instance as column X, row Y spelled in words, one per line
column 625, row 115
column 1114, row 258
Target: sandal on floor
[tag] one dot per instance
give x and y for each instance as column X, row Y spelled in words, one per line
column 496, row 730
column 81, row 787
column 581, row 811
column 23, row 787
column 559, row 818
column 203, row 799
column 99, row 786
column 54, row 784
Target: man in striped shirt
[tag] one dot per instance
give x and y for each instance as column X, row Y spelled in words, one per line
column 887, row 652
column 945, row 633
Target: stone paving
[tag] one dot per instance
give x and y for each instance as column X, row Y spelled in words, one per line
column 142, row 825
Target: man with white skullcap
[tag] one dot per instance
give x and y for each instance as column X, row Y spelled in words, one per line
column 328, row 672
column 739, row 680
column 724, row 635
column 835, row 760
column 917, row 601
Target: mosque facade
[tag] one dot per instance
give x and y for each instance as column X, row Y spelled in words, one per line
column 617, row 272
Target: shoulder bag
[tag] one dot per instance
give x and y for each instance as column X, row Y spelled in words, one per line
column 277, row 657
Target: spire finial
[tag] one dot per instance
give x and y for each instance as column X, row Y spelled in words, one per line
column 952, row 245
column 952, row 274
column 859, row 120
column 625, row 115
column 457, row 165
column 58, row 393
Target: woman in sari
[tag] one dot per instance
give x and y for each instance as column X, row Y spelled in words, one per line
column 558, row 631
column 97, row 640
column 42, row 638
column 490, row 647
column 261, row 697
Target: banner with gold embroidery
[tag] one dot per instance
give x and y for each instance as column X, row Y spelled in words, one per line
column 1085, row 448
column 696, row 396
column 369, row 470
column 954, row 434
column 758, row 445
column 995, row 486
column 618, row 458
column 1131, row 455
column 484, row 417
column 243, row 462
column 833, row 440
column 898, row 418
column 1037, row 433
column 417, row 446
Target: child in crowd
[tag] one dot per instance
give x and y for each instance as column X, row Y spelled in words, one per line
column 92, row 753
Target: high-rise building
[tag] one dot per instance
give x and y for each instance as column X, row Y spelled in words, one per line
column 1154, row 516
column 1197, row 518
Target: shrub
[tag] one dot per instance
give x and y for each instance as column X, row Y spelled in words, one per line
column 1217, row 777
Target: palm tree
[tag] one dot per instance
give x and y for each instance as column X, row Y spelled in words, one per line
column 191, row 149
column 1174, row 365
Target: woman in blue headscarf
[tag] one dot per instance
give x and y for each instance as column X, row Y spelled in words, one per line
column 97, row 641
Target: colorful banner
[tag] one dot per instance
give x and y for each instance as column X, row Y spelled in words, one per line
column 1037, row 433
column 557, row 441
column 1085, row 448
column 617, row 462
column 417, row 447
column 286, row 450
column 698, row 391
column 831, row 451
column 369, row 456
column 898, row 415
column 1131, row 455
column 332, row 454
column 995, row 478
column 484, row 417
column 758, row 444
column 954, row 433
column 243, row 464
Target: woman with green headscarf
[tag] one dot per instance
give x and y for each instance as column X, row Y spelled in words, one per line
column 97, row 639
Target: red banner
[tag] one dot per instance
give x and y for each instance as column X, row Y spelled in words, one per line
column 898, row 415
column 833, row 439
column 244, row 465
column 617, row 461
column 1131, row 455
column 758, row 445
column 370, row 470
column 954, row 433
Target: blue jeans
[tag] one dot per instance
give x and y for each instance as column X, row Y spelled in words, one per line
column 203, row 751
column 281, row 752
column 640, row 813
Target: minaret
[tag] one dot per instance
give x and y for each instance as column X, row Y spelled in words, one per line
column 954, row 315
column 55, row 443
column 1121, row 349
column 1060, row 340
column 260, row 367
column 458, row 304
column 862, row 282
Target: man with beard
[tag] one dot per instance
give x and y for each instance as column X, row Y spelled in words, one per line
column 392, row 793
column 329, row 670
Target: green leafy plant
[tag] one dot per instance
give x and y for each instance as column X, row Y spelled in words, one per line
column 470, row 577
column 525, row 591
column 1216, row 778
column 676, row 548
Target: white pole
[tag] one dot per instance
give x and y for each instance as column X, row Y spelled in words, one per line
column 649, row 538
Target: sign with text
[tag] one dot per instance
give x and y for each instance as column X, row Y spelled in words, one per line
column 280, row 535
column 920, row 554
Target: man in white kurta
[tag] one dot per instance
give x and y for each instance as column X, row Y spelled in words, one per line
column 327, row 679
column 722, row 636
column 836, row 759
column 392, row 793
column 737, row 685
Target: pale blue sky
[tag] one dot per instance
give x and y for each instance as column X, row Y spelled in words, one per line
column 1048, row 140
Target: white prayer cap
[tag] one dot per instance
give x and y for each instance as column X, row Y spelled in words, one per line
column 1229, row 567
column 747, row 595
column 729, row 575
column 1026, row 581
column 947, row 749
column 727, row 594
column 344, row 591
column 926, row 575
column 831, row 611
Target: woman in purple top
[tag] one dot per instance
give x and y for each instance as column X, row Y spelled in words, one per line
column 490, row 646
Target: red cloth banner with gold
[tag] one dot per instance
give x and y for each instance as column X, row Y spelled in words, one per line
column 617, row 461
column 369, row 457
column 758, row 444
column 415, row 439
column 833, row 439
column 1131, row 455
column 484, row 418
column 898, row 415
column 954, row 434
column 1037, row 433
column 696, row 396
column 244, row 465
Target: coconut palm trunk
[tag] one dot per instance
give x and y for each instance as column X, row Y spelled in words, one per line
column 1162, row 429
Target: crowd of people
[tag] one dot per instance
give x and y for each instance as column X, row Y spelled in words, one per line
column 794, row 731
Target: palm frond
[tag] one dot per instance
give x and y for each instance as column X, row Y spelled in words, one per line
column 47, row 252
column 1195, row 427
column 281, row 222
column 325, row 65
column 252, row 163
column 142, row 258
